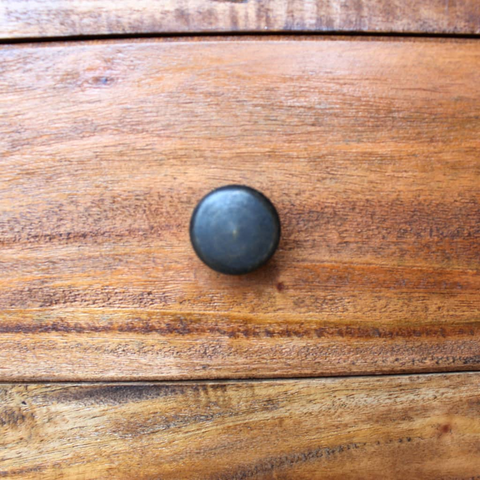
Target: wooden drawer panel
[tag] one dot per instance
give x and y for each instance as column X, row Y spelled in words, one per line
column 369, row 150
column 50, row 18
column 420, row 427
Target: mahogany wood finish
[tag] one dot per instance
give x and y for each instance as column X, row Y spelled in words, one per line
column 419, row 427
column 368, row 149
column 52, row 18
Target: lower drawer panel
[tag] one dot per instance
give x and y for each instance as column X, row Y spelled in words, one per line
column 417, row 427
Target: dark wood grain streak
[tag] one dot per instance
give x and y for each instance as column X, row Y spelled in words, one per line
column 369, row 150
column 50, row 18
column 420, row 427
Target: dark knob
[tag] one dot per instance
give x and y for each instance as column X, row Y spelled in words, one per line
column 235, row 229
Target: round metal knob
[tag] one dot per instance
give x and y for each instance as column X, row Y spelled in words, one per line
column 235, row 229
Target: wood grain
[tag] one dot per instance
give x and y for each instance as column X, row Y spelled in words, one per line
column 422, row 427
column 369, row 150
column 51, row 18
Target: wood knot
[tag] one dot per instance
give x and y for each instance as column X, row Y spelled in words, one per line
column 103, row 81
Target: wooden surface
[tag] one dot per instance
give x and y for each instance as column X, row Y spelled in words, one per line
column 369, row 150
column 421, row 427
column 52, row 18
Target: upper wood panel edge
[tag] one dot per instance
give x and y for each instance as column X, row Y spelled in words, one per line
column 49, row 18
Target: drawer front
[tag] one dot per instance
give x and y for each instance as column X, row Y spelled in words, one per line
column 419, row 427
column 368, row 149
